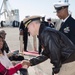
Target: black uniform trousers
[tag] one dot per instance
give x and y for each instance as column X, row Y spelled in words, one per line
column 25, row 38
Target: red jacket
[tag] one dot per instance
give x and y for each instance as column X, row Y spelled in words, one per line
column 10, row 71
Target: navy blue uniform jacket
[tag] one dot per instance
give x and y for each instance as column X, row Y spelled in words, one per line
column 68, row 28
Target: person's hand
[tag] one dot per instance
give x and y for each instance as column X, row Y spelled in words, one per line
column 25, row 63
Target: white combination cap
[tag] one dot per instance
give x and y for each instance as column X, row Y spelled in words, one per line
column 61, row 4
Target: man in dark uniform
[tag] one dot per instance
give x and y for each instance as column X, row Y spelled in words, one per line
column 68, row 23
column 25, row 35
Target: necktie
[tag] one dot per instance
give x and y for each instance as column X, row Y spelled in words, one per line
column 62, row 24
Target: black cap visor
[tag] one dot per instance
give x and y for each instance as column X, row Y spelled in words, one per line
column 59, row 8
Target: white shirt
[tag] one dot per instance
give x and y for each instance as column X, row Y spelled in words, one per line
column 65, row 18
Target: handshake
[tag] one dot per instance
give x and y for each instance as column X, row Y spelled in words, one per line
column 25, row 63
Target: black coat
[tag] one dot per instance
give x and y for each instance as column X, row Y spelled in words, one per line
column 57, row 47
column 68, row 28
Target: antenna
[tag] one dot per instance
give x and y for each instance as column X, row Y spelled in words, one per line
column 66, row 1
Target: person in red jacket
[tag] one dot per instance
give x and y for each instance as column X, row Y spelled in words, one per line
column 12, row 70
column 5, row 61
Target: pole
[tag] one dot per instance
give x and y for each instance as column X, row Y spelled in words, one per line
column 66, row 1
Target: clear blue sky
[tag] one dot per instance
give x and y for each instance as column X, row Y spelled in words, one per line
column 37, row 7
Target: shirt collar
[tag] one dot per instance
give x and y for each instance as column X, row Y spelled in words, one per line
column 65, row 18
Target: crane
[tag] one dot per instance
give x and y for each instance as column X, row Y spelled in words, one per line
column 11, row 16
